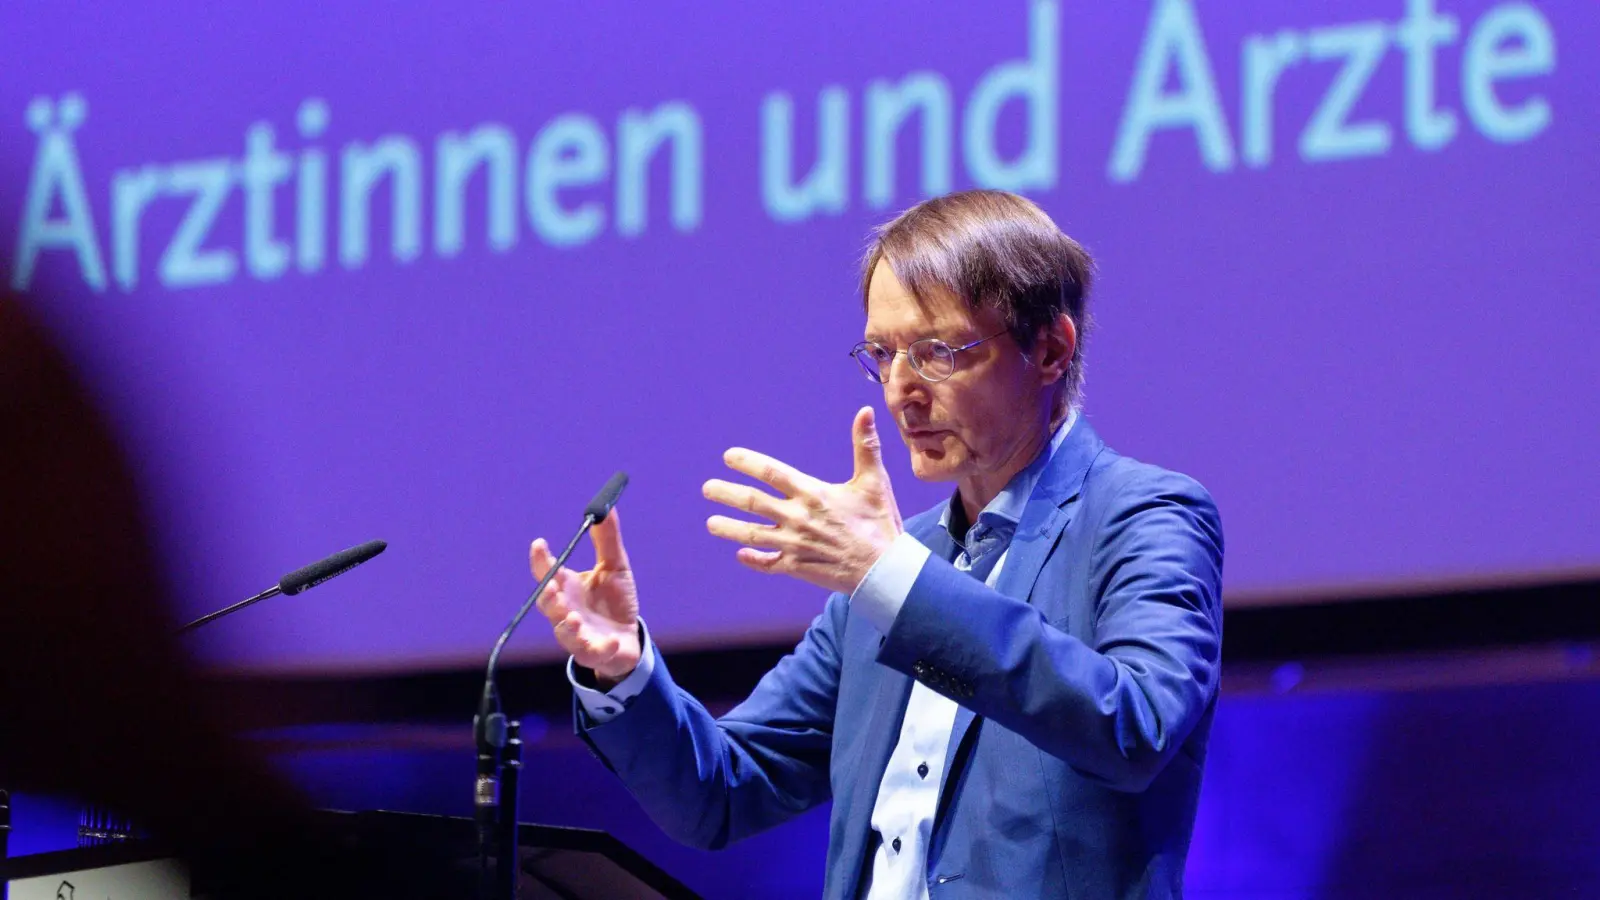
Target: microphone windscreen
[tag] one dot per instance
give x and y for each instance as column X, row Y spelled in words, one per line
column 600, row 506
column 337, row 564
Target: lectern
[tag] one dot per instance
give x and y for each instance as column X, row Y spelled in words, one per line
column 556, row 863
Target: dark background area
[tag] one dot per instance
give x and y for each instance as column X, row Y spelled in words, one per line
column 1423, row 746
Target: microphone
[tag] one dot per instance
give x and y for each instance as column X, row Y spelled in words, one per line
column 302, row 579
column 600, row 506
column 322, row 570
column 496, row 813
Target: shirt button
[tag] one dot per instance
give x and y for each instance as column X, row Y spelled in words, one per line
column 922, row 770
column 896, row 845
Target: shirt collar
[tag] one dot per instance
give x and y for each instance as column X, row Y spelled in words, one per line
column 1005, row 510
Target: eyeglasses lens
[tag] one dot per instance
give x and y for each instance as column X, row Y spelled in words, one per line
column 933, row 359
column 874, row 360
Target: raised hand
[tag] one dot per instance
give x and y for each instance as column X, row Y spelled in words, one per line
column 595, row 614
column 826, row 534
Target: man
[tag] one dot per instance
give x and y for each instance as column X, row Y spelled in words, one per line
column 1008, row 695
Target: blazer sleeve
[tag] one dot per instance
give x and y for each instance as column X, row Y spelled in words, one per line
column 708, row 782
column 1118, row 707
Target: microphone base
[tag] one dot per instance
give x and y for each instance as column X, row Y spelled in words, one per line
column 495, row 808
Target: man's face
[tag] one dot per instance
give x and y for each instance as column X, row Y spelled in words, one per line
column 981, row 421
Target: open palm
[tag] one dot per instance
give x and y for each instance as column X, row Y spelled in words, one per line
column 595, row 614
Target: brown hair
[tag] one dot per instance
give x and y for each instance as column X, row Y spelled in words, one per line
column 994, row 250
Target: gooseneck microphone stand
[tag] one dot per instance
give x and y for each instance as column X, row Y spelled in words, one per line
column 301, row 579
column 98, row 825
column 498, row 739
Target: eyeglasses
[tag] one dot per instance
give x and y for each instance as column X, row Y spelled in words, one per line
column 932, row 359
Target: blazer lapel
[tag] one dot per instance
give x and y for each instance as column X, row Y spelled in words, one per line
column 1048, row 511
column 1043, row 520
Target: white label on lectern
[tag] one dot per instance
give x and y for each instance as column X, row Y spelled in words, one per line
column 160, row 879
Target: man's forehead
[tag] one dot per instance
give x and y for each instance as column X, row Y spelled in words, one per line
column 907, row 318
column 891, row 306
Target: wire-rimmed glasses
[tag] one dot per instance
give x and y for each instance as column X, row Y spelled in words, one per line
column 932, row 359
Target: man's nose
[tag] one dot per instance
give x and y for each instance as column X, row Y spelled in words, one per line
column 901, row 373
column 902, row 384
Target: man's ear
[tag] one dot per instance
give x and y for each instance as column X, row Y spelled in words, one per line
column 1052, row 352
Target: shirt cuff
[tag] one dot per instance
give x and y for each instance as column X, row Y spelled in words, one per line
column 603, row 706
column 880, row 595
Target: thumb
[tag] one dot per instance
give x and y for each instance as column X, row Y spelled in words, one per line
column 868, row 446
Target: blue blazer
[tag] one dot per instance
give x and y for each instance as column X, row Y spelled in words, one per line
column 1086, row 679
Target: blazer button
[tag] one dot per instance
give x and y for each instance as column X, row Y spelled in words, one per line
column 922, row 770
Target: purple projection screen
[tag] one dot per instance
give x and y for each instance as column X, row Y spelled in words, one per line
column 432, row 275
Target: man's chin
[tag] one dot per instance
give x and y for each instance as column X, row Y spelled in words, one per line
column 934, row 466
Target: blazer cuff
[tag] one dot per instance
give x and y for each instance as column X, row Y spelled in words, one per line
column 880, row 595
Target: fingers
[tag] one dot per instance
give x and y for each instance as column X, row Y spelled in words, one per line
column 552, row 602
column 750, row 534
column 539, row 558
column 561, row 602
column 590, row 647
column 541, row 561
column 609, row 554
column 761, row 560
column 743, row 498
column 781, row 475
column 868, row 446
column 566, row 630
